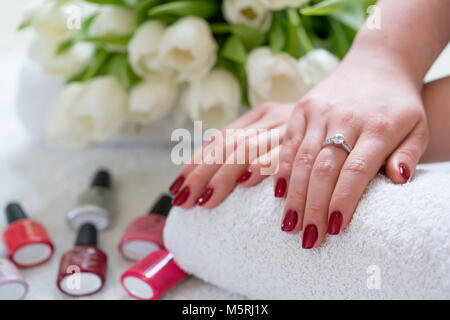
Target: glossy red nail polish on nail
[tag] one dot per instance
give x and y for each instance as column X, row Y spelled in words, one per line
column 144, row 234
column 27, row 242
column 205, row 196
column 176, row 185
column 309, row 236
column 280, row 188
column 245, row 176
column 335, row 222
column 153, row 276
column 289, row 221
column 181, row 196
column 82, row 270
column 404, row 171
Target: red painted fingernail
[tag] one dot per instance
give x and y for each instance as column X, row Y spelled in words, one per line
column 335, row 222
column 309, row 236
column 280, row 188
column 289, row 221
column 181, row 196
column 404, row 171
column 245, row 176
column 205, row 196
column 176, row 185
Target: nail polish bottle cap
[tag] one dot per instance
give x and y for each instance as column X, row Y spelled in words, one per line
column 14, row 212
column 162, row 206
column 102, row 179
column 87, row 235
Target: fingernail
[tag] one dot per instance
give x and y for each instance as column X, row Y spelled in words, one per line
column 176, row 185
column 289, row 221
column 280, row 188
column 181, row 196
column 205, row 196
column 404, row 171
column 245, row 176
column 335, row 222
column 309, row 236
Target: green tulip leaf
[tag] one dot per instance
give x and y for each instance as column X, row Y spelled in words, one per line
column 234, row 49
column 205, row 9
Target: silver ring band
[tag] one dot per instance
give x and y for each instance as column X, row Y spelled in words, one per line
column 339, row 141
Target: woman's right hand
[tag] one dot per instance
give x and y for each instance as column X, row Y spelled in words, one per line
column 207, row 182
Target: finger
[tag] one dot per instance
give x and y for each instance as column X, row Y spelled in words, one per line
column 299, row 178
column 401, row 164
column 209, row 183
column 246, row 120
column 360, row 167
column 324, row 176
column 291, row 142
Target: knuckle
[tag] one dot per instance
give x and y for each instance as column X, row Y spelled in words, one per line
column 346, row 118
column 314, row 210
column 408, row 154
column 324, row 167
column 296, row 197
column 356, row 165
column 304, row 159
column 196, row 175
column 380, row 127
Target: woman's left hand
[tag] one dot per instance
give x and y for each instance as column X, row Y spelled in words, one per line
column 379, row 111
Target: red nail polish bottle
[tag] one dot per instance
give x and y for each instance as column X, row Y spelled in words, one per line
column 145, row 234
column 26, row 240
column 152, row 276
column 82, row 270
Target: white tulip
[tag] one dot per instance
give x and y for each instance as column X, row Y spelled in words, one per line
column 143, row 48
column 153, row 98
column 248, row 12
column 65, row 65
column 317, row 65
column 188, row 47
column 281, row 4
column 274, row 78
column 50, row 19
column 113, row 21
column 215, row 99
column 61, row 130
column 84, row 113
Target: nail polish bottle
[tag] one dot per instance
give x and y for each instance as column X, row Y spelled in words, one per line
column 82, row 270
column 12, row 284
column 153, row 276
column 26, row 240
column 95, row 205
column 145, row 234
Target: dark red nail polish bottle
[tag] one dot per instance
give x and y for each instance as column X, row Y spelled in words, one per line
column 153, row 276
column 82, row 270
column 145, row 234
column 26, row 240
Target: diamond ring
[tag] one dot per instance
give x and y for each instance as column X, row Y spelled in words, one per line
column 339, row 141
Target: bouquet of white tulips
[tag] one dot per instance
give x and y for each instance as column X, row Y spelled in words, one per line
column 142, row 60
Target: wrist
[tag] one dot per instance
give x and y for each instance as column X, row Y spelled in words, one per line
column 372, row 59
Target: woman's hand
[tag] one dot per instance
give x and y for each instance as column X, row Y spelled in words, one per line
column 212, row 173
column 378, row 109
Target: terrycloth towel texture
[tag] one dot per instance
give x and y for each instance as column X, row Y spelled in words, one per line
column 397, row 245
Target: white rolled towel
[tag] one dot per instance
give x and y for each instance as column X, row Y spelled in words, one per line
column 397, row 245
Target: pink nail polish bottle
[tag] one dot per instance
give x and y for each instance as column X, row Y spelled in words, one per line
column 82, row 270
column 12, row 284
column 153, row 276
column 144, row 235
